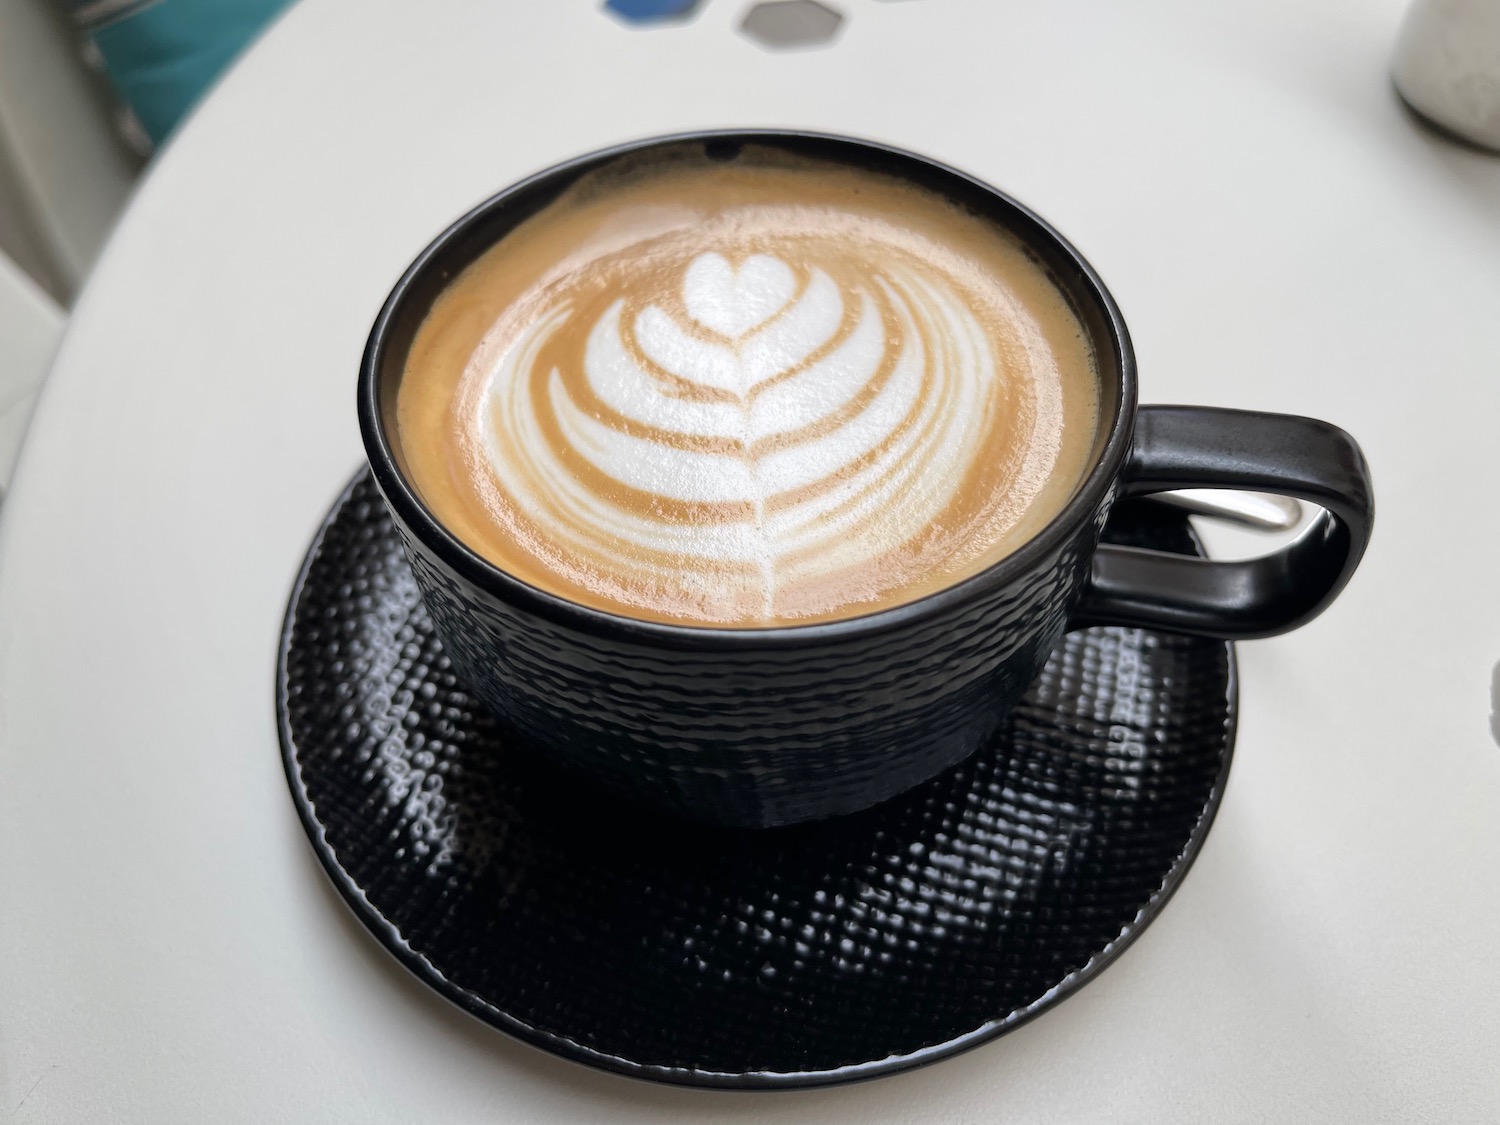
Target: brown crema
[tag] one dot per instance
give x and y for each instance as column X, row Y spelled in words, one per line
column 767, row 391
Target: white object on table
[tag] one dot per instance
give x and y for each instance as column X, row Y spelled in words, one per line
column 170, row 950
column 1262, row 511
column 1447, row 66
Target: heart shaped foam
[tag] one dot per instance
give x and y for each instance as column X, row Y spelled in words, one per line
column 735, row 302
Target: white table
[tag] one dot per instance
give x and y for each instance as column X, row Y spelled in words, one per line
column 1280, row 237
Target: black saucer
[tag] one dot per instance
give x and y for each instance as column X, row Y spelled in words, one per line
column 792, row 957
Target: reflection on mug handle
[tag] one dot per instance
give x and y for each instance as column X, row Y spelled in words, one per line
column 1205, row 447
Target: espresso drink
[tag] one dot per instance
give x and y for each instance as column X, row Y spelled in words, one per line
column 761, row 391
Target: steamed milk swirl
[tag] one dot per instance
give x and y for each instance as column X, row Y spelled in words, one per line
column 747, row 394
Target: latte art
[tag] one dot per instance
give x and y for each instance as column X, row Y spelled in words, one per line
column 766, row 415
column 762, row 428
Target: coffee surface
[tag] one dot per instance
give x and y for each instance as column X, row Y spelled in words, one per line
column 764, row 391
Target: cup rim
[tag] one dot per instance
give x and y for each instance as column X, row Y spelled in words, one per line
column 408, row 507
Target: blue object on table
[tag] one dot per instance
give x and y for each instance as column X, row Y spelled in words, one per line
column 651, row 11
column 161, row 55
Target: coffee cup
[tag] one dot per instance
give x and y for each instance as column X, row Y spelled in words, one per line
column 754, row 474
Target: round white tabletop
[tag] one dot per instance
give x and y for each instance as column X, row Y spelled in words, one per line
column 1281, row 237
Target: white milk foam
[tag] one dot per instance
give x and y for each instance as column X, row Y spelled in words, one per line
column 779, row 391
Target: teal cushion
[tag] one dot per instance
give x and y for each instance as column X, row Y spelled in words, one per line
column 160, row 55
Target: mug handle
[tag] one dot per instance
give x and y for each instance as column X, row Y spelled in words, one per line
column 1207, row 447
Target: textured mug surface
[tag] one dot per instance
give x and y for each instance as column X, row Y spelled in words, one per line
column 765, row 734
column 774, row 726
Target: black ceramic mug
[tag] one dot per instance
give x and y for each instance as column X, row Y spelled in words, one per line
column 762, row 727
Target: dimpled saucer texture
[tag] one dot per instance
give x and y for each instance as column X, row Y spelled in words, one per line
column 787, row 957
